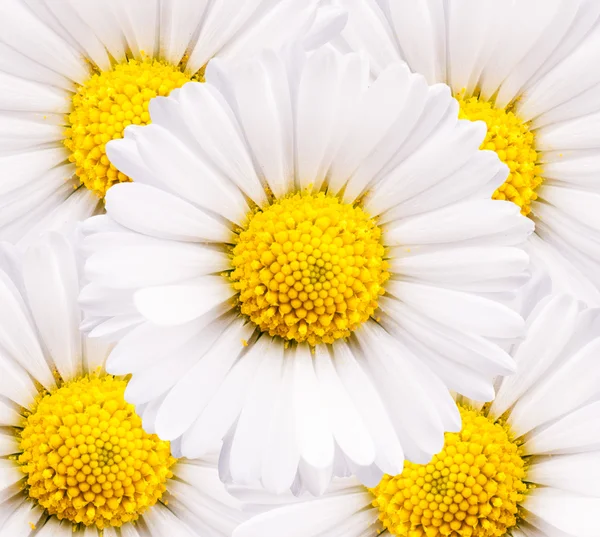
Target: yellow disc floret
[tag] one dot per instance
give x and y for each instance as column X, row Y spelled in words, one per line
column 309, row 268
column 106, row 104
column 514, row 143
column 470, row 489
column 87, row 458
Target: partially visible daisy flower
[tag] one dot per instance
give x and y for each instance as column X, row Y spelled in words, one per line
column 309, row 263
column 75, row 459
column 528, row 465
column 529, row 69
column 74, row 74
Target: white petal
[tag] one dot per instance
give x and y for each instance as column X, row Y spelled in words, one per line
column 580, row 205
column 10, row 475
column 224, row 408
column 221, row 23
column 159, row 376
column 314, row 430
column 455, row 224
column 16, row 28
column 373, row 117
column 549, row 328
column 53, row 528
column 483, row 172
column 348, row 429
column 557, row 87
column 148, row 210
column 445, row 152
column 282, row 455
column 461, row 264
column 368, row 402
column 22, row 168
column 161, row 521
column 549, row 399
column 153, row 262
column 105, row 20
column 52, row 283
column 318, row 91
column 466, row 348
column 185, row 174
column 361, row 524
column 566, row 278
column 287, row 22
column 368, row 29
column 169, row 305
column 305, row 519
column 18, row 65
column 178, row 24
column 19, row 523
column 15, row 383
column 264, row 111
column 191, row 394
column 17, row 335
column 252, row 429
column 148, row 343
column 465, row 311
column 9, row 444
column 9, row 414
column 567, row 512
column 65, row 217
column 125, row 156
column 577, row 432
column 66, row 22
column 19, row 134
column 579, row 133
column 416, row 419
column 27, row 96
column 142, row 26
column 578, row 473
column 214, row 126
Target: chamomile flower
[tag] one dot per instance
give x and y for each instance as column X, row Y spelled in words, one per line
column 74, row 74
column 528, row 465
column 304, row 265
column 528, row 69
column 75, row 459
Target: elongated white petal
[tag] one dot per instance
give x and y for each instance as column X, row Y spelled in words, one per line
column 169, row 305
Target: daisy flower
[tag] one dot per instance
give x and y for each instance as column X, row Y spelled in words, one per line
column 526, row 68
column 74, row 457
column 74, row 74
column 528, row 465
column 308, row 263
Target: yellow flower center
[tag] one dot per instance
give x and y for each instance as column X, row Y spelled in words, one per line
column 514, row 143
column 107, row 103
column 470, row 489
column 309, row 268
column 87, row 458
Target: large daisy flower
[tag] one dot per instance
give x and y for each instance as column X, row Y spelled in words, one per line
column 74, row 74
column 527, row 465
column 314, row 262
column 528, row 69
column 74, row 458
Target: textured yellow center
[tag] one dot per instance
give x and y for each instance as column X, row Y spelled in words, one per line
column 87, row 458
column 470, row 489
column 514, row 143
column 309, row 268
column 104, row 106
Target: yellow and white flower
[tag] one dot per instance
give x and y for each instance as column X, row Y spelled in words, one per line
column 74, row 74
column 309, row 263
column 74, row 457
column 528, row 465
column 528, row 69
